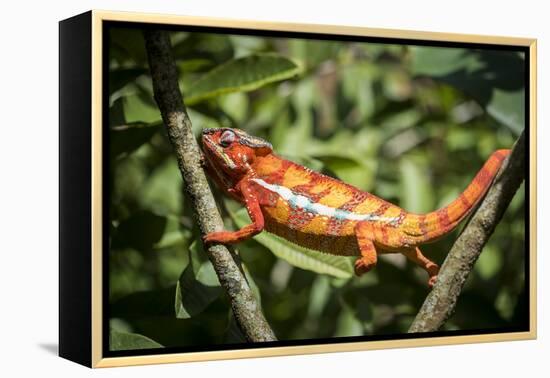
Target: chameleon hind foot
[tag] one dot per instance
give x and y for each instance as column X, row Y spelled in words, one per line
column 432, row 281
column 416, row 256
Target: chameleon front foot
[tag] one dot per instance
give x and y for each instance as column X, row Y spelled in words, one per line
column 368, row 257
column 220, row 237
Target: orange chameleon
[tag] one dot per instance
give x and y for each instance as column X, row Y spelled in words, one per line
column 323, row 213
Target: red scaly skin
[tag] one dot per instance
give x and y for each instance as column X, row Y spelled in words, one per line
column 323, row 213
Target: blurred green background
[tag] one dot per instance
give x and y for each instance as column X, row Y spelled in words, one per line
column 410, row 124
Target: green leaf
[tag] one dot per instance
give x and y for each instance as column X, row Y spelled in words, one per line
column 508, row 108
column 312, row 52
column 307, row 161
column 318, row 297
column 144, row 303
column 174, row 233
column 193, row 65
column 253, row 286
column 208, row 46
column 416, row 190
column 337, row 266
column 235, row 105
column 359, row 173
column 243, row 74
column 162, row 191
column 118, row 78
column 246, row 45
column 198, row 285
column 127, row 45
column 140, row 231
column 129, row 341
column 233, row 334
column 140, row 108
column 128, row 138
column 489, row 262
column 347, row 324
column 116, row 113
column 357, row 86
column 439, row 62
column 495, row 79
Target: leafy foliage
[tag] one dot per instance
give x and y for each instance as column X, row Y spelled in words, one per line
column 241, row 75
column 197, row 287
column 127, row 341
column 410, row 124
column 494, row 78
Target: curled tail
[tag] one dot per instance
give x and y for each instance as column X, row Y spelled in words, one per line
column 431, row 226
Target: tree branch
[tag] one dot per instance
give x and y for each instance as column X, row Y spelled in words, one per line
column 441, row 302
column 170, row 102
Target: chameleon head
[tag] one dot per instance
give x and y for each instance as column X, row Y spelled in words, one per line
column 229, row 152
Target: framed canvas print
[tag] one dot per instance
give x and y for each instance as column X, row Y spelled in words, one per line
column 235, row 189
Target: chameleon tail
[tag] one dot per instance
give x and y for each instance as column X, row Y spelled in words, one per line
column 432, row 226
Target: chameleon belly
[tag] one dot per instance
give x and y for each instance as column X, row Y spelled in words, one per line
column 332, row 244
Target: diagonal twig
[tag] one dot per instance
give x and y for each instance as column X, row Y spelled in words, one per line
column 246, row 309
column 439, row 305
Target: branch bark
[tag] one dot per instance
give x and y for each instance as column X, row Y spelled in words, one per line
column 441, row 302
column 178, row 125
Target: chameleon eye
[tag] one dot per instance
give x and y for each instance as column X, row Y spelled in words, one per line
column 227, row 138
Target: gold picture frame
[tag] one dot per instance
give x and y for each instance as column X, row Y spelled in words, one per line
column 92, row 355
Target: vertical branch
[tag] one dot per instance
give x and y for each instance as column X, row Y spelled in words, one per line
column 441, row 302
column 178, row 125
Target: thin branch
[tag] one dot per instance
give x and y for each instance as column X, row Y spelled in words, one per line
column 441, row 302
column 170, row 102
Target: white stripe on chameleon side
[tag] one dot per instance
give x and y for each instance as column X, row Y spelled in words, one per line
column 302, row 202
